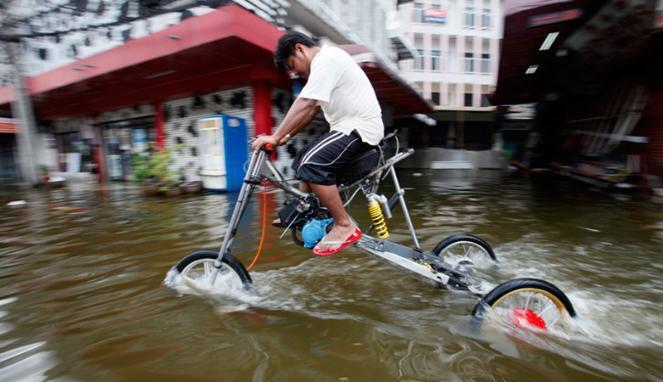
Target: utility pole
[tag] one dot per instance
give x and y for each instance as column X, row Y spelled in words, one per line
column 22, row 110
column 13, row 28
column 23, row 113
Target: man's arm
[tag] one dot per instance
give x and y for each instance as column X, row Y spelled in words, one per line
column 301, row 113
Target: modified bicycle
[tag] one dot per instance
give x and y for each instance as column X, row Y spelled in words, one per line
column 453, row 263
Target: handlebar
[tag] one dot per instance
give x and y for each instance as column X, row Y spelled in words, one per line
column 268, row 148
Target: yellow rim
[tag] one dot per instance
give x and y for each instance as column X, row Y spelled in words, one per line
column 551, row 297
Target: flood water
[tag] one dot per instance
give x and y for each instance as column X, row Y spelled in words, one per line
column 82, row 295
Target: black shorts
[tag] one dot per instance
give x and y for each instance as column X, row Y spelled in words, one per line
column 321, row 161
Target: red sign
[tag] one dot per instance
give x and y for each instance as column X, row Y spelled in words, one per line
column 555, row 17
column 435, row 16
column 8, row 126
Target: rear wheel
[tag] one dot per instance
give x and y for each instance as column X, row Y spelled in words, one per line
column 527, row 303
column 198, row 270
column 463, row 251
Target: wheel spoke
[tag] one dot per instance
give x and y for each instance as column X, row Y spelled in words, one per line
column 527, row 301
column 465, row 250
column 556, row 319
column 543, row 311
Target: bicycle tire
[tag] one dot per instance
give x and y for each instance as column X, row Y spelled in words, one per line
column 231, row 261
column 464, row 237
column 512, row 287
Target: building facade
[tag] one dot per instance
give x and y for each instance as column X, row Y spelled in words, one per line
column 457, row 45
column 590, row 70
column 102, row 95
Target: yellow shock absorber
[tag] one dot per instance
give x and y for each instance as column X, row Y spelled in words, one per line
column 379, row 223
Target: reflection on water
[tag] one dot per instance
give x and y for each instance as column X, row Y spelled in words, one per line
column 81, row 296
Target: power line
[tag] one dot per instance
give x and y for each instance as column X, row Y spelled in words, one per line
column 145, row 7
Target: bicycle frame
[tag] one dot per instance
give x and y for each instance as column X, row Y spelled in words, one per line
column 413, row 259
column 428, row 265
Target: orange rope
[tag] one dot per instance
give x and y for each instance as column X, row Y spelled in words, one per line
column 264, row 225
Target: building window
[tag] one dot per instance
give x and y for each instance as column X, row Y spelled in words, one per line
column 485, row 18
column 418, row 12
column 435, row 59
column 469, row 62
column 469, row 18
column 419, row 60
column 468, row 99
column 435, row 97
column 485, row 63
column 485, row 102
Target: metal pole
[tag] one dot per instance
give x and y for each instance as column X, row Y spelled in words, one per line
column 22, row 111
column 255, row 164
column 406, row 213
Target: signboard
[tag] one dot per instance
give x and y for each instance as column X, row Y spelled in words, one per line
column 555, row 17
column 139, row 140
column 8, row 126
column 435, row 16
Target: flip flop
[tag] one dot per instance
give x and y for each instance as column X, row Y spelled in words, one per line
column 354, row 237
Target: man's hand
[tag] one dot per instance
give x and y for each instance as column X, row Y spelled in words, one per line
column 262, row 140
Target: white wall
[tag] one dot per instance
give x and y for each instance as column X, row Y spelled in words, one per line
column 453, row 40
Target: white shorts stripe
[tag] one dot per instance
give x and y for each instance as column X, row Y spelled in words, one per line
column 339, row 155
column 308, row 154
column 319, row 147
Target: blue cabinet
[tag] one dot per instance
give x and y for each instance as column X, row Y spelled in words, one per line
column 223, row 152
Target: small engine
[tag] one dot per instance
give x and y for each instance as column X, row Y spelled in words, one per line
column 314, row 230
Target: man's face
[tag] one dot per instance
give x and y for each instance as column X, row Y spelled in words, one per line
column 298, row 63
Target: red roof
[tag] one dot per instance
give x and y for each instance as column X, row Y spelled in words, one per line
column 191, row 56
column 527, row 23
column 226, row 48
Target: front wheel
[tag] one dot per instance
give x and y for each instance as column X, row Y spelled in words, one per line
column 465, row 251
column 197, row 270
column 527, row 303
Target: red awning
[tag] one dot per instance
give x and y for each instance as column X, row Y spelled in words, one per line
column 389, row 87
column 227, row 47
column 8, row 126
column 523, row 69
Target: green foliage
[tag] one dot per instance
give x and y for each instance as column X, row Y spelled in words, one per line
column 156, row 168
column 43, row 169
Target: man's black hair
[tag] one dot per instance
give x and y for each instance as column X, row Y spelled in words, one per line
column 286, row 47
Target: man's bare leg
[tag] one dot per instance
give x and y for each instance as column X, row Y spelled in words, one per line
column 343, row 226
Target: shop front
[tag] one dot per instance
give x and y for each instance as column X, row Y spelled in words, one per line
column 122, row 140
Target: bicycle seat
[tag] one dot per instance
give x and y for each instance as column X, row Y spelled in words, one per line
column 362, row 166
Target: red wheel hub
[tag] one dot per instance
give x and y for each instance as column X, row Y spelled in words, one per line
column 526, row 318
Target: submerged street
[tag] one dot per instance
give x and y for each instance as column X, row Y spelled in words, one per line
column 82, row 298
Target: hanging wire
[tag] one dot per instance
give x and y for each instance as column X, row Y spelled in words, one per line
column 120, row 20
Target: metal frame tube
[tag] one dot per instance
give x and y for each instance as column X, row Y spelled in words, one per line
column 256, row 162
column 406, row 212
column 281, row 182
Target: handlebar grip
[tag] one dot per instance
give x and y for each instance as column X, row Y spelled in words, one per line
column 268, row 148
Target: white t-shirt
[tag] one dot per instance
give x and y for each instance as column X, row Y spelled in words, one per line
column 345, row 95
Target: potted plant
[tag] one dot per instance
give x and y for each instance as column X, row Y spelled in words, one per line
column 154, row 174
